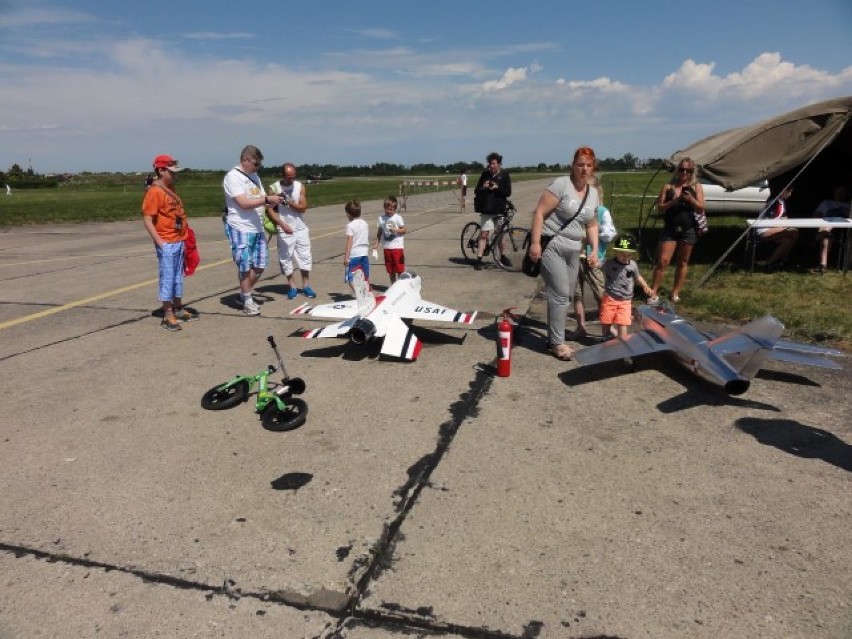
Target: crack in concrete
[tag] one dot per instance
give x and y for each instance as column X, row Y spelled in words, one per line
column 333, row 604
column 418, row 478
column 345, row 606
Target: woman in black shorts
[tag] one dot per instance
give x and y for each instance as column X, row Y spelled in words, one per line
column 678, row 202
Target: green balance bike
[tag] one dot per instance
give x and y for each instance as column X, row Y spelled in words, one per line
column 279, row 410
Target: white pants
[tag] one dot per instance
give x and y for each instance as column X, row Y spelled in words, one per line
column 296, row 246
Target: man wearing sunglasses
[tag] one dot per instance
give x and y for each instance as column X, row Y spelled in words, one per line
column 245, row 202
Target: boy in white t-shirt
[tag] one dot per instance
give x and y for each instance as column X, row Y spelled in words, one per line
column 391, row 229
column 357, row 243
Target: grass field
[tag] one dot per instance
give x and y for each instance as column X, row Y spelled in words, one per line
column 813, row 307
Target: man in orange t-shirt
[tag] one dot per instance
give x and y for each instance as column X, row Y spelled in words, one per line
column 165, row 221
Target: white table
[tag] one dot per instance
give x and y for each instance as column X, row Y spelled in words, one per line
column 844, row 223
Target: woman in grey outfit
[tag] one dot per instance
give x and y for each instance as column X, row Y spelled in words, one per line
column 565, row 212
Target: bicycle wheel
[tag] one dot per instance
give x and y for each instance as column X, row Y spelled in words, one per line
column 469, row 239
column 219, row 398
column 293, row 416
column 510, row 248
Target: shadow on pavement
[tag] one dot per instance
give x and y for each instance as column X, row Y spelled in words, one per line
column 798, row 439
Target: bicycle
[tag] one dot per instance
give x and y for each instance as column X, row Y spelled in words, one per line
column 507, row 244
column 279, row 410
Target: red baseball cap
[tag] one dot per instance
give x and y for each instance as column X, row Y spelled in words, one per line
column 166, row 162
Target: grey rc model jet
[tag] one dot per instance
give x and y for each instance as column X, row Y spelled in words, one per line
column 729, row 360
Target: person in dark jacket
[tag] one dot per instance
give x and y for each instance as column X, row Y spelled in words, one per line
column 489, row 200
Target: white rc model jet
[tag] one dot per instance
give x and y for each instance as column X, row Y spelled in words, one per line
column 369, row 317
column 729, row 360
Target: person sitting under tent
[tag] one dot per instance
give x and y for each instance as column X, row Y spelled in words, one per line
column 783, row 238
column 838, row 207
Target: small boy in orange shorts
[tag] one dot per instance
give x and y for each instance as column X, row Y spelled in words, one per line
column 622, row 274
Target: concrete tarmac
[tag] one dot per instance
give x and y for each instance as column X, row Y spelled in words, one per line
column 421, row 499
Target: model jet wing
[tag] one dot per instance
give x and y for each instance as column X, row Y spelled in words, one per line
column 635, row 345
column 335, row 310
column 400, row 341
column 423, row 310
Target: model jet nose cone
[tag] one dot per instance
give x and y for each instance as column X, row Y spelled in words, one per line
column 737, row 386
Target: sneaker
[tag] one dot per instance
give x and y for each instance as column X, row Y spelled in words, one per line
column 308, row 292
column 505, row 261
column 170, row 324
column 185, row 315
column 477, row 265
column 292, row 293
column 250, row 308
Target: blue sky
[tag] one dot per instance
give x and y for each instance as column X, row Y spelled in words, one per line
column 91, row 85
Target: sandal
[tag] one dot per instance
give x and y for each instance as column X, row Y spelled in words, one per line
column 562, row 352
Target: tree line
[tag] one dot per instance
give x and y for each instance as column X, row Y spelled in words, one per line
column 15, row 176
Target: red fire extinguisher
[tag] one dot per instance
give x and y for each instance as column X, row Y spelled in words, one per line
column 504, row 346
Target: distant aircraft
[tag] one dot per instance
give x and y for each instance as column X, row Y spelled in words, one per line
column 317, row 177
column 729, row 361
column 370, row 317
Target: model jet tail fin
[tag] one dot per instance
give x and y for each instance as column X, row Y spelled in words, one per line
column 747, row 348
column 808, row 354
column 365, row 301
column 332, row 330
column 786, row 345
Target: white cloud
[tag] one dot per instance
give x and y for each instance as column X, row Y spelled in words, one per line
column 510, row 77
column 766, row 75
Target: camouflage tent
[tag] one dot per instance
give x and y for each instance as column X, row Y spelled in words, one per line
column 819, row 136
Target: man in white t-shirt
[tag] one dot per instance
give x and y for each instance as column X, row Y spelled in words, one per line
column 245, row 200
column 294, row 240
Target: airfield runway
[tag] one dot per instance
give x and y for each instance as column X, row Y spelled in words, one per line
column 419, row 500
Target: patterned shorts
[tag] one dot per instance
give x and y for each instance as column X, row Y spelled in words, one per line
column 248, row 249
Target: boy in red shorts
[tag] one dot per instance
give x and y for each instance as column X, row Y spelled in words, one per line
column 622, row 274
column 391, row 229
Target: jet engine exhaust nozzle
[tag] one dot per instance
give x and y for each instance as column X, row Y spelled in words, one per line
column 362, row 331
column 737, row 386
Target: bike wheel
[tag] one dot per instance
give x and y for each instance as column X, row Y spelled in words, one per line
column 293, row 415
column 510, row 248
column 469, row 240
column 220, row 398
